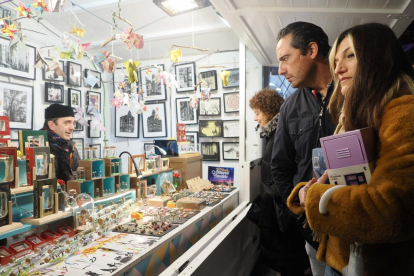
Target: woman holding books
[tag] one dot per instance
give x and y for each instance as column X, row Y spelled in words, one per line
column 281, row 244
column 373, row 88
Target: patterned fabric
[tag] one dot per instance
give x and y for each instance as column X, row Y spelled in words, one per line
column 270, row 127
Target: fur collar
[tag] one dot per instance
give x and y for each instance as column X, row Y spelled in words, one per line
column 270, row 127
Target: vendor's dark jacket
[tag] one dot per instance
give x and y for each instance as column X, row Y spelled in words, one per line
column 63, row 172
column 303, row 120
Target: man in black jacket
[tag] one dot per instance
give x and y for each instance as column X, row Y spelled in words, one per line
column 302, row 50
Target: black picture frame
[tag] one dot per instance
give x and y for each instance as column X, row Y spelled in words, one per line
column 210, row 128
column 97, row 106
column 6, row 193
column 194, row 134
column 142, row 75
column 17, row 100
column 230, row 150
column 74, row 74
column 231, row 102
column 210, row 107
column 123, row 124
column 49, row 76
column 185, row 76
column 74, row 98
column 233, row 78
column 210, row 77
column 94, row 73
column 92, row 133
column 79, row 146
column 184, row 111
column 151, row 126
column 99, row 146
column 146, row 145
column 210, row 147
column 54, row 93
column 231, row 128
column 12, row 61
column 78, row 127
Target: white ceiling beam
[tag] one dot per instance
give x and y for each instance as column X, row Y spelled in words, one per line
column 255, row 10
column 400, row 25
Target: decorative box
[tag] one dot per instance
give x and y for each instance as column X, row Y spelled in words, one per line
column 190, row 166
column 49, row 235
column 35, row 240
column 191, row 203
column 158, row 163
column 5, row 255
column 66, row 230
column 20, row 247
column 158, row 201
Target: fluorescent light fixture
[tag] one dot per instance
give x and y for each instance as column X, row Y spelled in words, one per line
column 176, row 7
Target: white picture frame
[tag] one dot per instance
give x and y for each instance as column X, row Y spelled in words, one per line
column 185, row 76
column 20, row 63
column 17, row 101
column 210, row 107
column 230, row 150
column 231, row 128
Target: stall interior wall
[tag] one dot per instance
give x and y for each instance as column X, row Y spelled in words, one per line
column 228, row 59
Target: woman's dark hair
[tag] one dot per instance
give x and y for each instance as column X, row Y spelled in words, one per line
column 267, row 101
column 303, row 33
column 382, row 70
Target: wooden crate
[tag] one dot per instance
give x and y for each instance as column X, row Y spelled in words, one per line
column 190, row 166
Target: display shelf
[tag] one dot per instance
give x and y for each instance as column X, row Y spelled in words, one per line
column 7, row 228
column 108, row 166
column 20, row 190
column 146, row 174
column 47, row 219
column 116, row 195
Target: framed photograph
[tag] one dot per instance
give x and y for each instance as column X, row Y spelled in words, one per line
column 126, row 123
column 154, row 121
column 96, row 74
column 230, row 150
column 208, row 79
column 231, row 128
column 98, row 149
column 186, row 76
column 78, row 127
column 211, row 128
column 210, row 151
column 93, row 132
column 150, row 78
column 150, row 151
column 17, row 101
column 79, row 146
column 7, row 12
column 51, row 75
column 54, row 93
column 211, row 107
column 18, row 62
column 94, row 102
column 192, row 137
column 74, row 74
column 185, row 114
column 75, row 98
column 231, row 102
column 233, row 78
column 139, row 160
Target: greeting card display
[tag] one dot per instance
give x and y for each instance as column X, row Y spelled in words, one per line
column 38, row 167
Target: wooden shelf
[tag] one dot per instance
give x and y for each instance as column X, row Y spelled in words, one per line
column 146, row 174
column 46, row 219
column 21, row 190
column 7, row 228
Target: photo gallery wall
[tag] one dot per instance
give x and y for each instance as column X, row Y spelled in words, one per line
column 215, row 118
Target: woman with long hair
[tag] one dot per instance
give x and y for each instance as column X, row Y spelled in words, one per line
column 373, row 88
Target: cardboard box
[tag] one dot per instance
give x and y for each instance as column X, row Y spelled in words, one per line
column 158, row 201
column 191, row 203
column 190, row 166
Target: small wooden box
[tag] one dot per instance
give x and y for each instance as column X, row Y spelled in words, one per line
column 190, row 166
column 90, row 166
column 158, row 201
column 194, row 203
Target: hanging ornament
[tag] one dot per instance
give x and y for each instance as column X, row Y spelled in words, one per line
column 24, row 10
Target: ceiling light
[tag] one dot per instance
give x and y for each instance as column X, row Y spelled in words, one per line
column 176, row 7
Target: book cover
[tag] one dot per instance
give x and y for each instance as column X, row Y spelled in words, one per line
column 181, row 137
column 221, row 175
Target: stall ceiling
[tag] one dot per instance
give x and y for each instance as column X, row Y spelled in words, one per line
column 202, row 28
column 257, row 22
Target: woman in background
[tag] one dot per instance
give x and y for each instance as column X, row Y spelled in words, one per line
column 373, row 88
column 281, row 244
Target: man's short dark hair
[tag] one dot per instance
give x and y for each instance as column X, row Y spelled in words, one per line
column 45, row 124
column 304, row 33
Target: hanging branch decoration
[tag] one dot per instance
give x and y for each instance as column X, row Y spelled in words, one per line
column 133, row 100
column 211, row 66
column 40, row 6
column 175, row 55
column 24, row 10
column 128, row 37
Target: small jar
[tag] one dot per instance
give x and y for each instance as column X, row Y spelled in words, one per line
column 94, row 153
column 106, row 152
column 97, row 192
column 113, row 151
column 88, row 153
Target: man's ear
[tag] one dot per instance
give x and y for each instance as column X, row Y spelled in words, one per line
column 313, row 50
column 51, row 125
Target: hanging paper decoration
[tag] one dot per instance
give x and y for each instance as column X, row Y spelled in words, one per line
column 79, row 117
column 131, row 67
column 224, row 75
column 91, row 81
column 16, row 43
column 176, row 55
column 40, row 62
column 116, row 102
column 65, row 55
column 56, row 5
column 96, row 124
column 79, row 51
column 54, row 66
column 40, row 6
column 168, row 79
column 86, row 46
column 132, row 39
column 9, row 30
column 205, row 93
column 24, row 10
column 77, row 31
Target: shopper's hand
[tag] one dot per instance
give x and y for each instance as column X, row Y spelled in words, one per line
column 304, row 191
